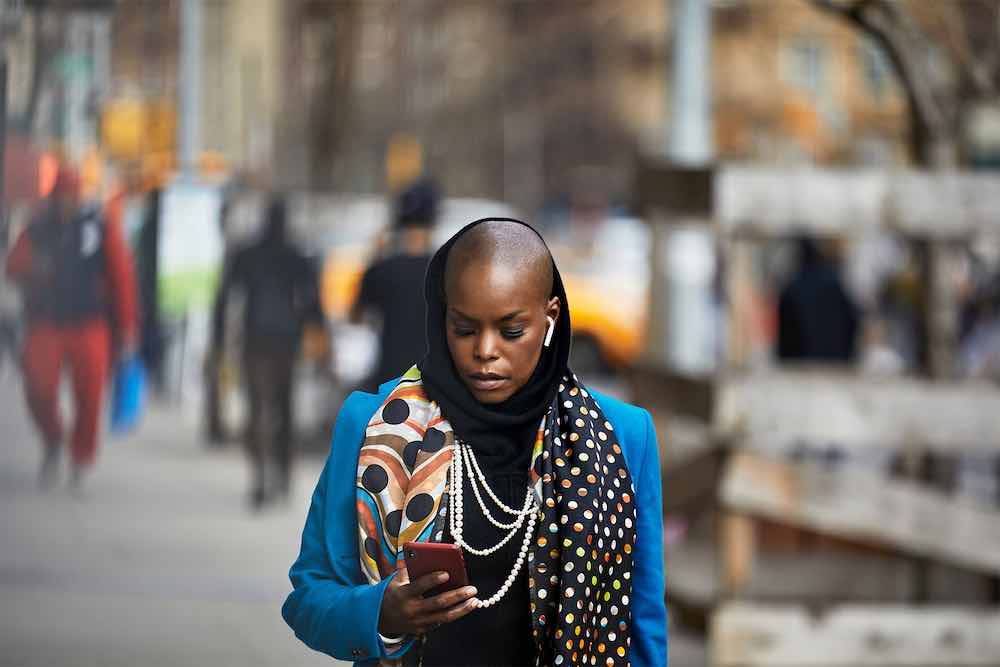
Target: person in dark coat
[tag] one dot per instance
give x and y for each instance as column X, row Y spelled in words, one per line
column 282, row 294
column 817, row 319
column 391, row 288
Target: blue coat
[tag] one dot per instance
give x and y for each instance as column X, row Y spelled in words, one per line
column 333, row 609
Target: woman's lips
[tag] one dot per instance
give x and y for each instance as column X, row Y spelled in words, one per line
column 487, row 381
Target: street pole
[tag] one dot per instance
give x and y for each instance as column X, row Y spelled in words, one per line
column 189, row 93
column 3, row 150
column 681, row 329
column 691, row 128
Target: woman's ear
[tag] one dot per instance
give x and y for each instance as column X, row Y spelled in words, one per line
column 553, row 307
column 551, row 317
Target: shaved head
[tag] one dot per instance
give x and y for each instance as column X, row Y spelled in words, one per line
column 511, row 245
column 498, row 307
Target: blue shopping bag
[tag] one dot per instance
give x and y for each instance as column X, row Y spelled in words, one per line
column 127, row 395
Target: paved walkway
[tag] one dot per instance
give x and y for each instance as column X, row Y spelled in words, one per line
column 159, row 563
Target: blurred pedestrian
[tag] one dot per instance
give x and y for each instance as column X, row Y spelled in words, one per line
column 78, row 282
column 817, row 319
column 391, row 292
column 281, row 294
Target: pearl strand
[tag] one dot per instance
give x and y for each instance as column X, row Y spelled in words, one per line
column 455, row 505
column 468, row 456
column 467, row 450
column 522, row 554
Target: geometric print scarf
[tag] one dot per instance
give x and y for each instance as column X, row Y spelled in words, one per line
column 580, row 563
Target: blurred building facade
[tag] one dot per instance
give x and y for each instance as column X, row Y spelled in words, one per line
column 509, row 100
column 793, row 85
column 514, row 100
column 59, row 72
column 242, row 84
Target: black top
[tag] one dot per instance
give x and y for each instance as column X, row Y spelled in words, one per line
column 817, row 320
column 282, row 293
column 501, row 634
column 393, row 288
column 77, row 288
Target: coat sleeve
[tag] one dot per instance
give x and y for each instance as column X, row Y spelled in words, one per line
column 331, row 608
column 649, row 611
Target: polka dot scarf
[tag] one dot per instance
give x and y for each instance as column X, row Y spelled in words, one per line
column 580, row 566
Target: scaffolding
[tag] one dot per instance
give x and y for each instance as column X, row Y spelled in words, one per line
column 820, row 506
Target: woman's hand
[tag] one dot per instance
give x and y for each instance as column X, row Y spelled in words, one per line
column 405, row 610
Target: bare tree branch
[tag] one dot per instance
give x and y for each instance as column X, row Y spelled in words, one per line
column 995, row 52
column 978, row 72
column 884, row 23
column 992, row 58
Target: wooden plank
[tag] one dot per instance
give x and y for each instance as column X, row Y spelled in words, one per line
column 681, row 439
column 868, row 507
column 690, row 486
column 674, row 190
column 751, row 635
column 691, row 574
column 739, row 543
column 814, row 577
column 774, row 409
column 782, row 201
column 661, row 390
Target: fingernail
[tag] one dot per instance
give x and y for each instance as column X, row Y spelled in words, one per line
column 442, row 577
column 471, row 590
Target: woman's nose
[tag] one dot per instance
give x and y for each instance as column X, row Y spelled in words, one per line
column 486, row 347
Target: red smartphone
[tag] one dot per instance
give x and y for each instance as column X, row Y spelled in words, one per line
column 423, row 558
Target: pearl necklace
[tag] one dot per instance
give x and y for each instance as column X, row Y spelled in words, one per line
column 456, row 506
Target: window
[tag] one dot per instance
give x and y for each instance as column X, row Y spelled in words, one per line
column 876, row 68
column 805, row 65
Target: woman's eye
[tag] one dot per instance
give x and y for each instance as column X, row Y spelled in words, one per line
column 462, row 331
column 513, row 333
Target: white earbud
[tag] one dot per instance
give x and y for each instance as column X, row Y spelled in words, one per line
column 551, row 330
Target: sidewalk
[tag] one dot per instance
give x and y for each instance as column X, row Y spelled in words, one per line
column 160, row 563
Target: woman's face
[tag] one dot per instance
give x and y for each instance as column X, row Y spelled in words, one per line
column 496, row 324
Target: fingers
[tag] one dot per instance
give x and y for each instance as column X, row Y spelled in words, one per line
column 424, row 614
column 429, row 623
column 447, row 600
column 421, row 585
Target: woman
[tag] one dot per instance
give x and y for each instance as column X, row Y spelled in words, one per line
column 562, row 531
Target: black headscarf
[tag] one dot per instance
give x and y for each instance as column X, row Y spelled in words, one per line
column 490, row 428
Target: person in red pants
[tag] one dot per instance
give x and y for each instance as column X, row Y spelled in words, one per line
column 78, row 281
